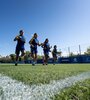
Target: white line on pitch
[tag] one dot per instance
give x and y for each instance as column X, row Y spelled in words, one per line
column 14, row 90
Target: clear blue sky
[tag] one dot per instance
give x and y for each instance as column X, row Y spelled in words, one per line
column 64, row 22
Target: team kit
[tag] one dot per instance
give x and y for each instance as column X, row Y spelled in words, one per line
column 34, row 43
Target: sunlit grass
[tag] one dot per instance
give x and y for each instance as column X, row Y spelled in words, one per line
column 42, row 74
column 80, row 91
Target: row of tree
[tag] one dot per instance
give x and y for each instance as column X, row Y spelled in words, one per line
column 11, row 58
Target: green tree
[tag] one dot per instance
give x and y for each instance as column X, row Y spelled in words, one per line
column 27, row 55
column 71, row 54
column 12, row 56
column 5, row 59
column 88, row 51
column 39, row 56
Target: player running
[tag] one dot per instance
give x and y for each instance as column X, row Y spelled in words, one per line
column 20, row 45
column 55, row 53
column 33, row 46
column 46, row 49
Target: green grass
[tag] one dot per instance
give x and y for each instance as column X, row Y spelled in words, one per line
column 80, row 91
column 42, row 74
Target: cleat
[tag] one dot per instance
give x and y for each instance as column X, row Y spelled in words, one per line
column 33, row 64
column 16, row 64
column 46, row 64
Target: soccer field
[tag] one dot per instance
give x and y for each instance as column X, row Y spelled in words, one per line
column 39, row 74
column 42, row 74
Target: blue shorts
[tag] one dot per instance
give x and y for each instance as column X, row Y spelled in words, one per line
column 18, row 49
column 46, row 52
column 33, row 50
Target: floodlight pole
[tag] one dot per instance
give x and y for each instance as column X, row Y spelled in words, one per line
column 79, row 49
column 69, row 50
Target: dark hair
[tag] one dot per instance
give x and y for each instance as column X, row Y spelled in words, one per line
column 20, row 31
column 46, row 39
column 55, row 46
column 35, row 33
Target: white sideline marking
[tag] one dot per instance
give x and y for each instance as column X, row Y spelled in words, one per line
column 14, row 90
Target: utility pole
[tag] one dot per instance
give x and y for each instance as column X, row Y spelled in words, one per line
column 79, row 49
column 69, row 51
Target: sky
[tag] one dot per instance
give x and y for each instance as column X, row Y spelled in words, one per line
column 64, row 22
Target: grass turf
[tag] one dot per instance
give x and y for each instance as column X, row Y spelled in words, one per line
column 80, row 91
column 42, row 74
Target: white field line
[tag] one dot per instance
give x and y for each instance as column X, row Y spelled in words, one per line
column 14, row 90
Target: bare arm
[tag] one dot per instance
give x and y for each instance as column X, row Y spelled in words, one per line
column 16, row 38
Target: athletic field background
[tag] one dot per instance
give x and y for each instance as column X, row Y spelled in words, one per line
column 39, row 74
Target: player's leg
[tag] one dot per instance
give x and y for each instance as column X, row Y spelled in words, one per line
column 31, row 50
column 44, row 58
column 35, row 59
column 23, row 54
column 55, row 59
column 32, row 55
column 17, row 55
column 47, row 57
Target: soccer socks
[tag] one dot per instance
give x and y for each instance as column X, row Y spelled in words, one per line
column 33, row 62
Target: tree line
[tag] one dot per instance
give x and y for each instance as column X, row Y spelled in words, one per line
column 11, row 58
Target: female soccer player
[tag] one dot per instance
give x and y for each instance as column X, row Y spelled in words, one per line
column 33, row 46
column 54, row 54
column 46, row 49
column 20, row 45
